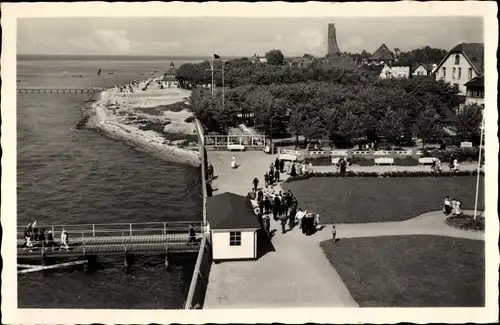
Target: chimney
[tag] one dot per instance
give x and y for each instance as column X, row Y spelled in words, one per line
column 333, row 48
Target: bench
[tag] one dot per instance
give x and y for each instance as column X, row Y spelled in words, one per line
column 384, row 161
column 426, row 161
column 232, row 147
column 287, row 157
column 335, row 161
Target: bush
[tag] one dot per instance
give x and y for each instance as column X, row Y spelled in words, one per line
column 189, row 119
column 362, row 161
column 155, row 126
column 385, row 174
column 466, row 222
column 462, row 154
column 321, row 161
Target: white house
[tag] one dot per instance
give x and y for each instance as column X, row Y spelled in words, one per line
column 233, row 227
column 461, row 64
column 395, row 71
column 424, row 69
column 170, row 77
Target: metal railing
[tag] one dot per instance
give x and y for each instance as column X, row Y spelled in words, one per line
column 201, row 273
column 117, row 229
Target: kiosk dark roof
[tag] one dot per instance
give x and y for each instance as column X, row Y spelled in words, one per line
column 231, row 211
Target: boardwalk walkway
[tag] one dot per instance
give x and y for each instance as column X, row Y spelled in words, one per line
column 296, row 274
column 113, row 239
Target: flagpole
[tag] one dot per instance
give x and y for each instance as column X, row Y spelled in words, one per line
column 479, row 166
column 223, row 62
column 212, row 74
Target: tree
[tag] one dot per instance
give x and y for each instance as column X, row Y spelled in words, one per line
column 469, row 122
column 428, row 124
column 275, row 57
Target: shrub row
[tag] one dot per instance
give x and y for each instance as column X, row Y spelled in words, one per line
column 362, row 161
column 462, row 154
column 384, row 174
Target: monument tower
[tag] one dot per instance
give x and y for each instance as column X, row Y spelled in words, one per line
column 333, row 48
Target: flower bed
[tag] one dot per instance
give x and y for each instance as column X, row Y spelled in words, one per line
column 385, row 174
column 466, row 222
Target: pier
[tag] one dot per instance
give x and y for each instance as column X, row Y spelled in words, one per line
column 160, row 238
column 91, row 90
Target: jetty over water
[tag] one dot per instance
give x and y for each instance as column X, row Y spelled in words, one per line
column 90, row 90
column 159, row 238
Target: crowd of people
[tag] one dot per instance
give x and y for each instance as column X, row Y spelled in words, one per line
column 282, row 207
column 452, row 207
column 35, row 237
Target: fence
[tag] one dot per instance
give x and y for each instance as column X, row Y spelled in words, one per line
column 199, row 281
column 251, row 142
column 204, row 166
column 118, row 229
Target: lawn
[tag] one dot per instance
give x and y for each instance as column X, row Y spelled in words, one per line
column 410, row 271
column 357, row 200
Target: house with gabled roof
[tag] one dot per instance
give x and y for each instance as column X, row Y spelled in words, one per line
column 381, row 56
column 462, row 63
column 475, row 91
column 424, row 69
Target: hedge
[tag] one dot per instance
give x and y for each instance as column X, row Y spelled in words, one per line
column 462, row 154
column 384, row 174
column 362, row 161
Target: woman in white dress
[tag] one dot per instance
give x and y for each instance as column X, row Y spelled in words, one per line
column 233, row 162
column 458, row 207
column 64, row 238
column 455, row 165
column 454, row 207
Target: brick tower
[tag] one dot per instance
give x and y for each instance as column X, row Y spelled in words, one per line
column 333, row 48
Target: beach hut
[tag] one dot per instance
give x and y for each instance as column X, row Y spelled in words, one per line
column 233, row 227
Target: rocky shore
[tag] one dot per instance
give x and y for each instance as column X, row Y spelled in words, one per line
column 148, row 118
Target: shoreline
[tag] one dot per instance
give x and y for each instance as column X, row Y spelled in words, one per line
column 105, row 122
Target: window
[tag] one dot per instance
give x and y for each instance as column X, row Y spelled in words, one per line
column 457, row 59
column 470, row 73
column 459, row 73
column 444, row 72
column 235, row 238
column 453, row 74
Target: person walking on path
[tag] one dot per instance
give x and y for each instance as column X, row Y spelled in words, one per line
column 277, row 164
column 277, row 175
column 267, row 205
column 282, row 166
column 283, row 223
column 210, row 172
column 334, row 233
column 291, row 218
column 266, row 180
column 255, row 183
column 293, row 171
column 276, row 207
column 209, row 189
column 260, row 202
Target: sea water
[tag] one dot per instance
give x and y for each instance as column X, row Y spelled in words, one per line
column 69, row 176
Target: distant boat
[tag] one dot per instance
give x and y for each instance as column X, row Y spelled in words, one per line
column 110, row 72
column 99, row 72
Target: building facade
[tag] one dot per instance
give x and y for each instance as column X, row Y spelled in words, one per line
column 461, row 64
column 424, row 69
column 475, row 91
column 170, row 77
column 395, row 71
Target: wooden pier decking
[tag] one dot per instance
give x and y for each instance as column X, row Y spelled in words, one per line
column 115, row 239
column 60, row 90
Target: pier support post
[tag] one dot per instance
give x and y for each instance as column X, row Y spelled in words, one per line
column 166, row 256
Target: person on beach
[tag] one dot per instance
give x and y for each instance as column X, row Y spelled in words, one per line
column 233, row 162
column 255, row 183
column 447, row 206
column 64, row 239
column 293, row 171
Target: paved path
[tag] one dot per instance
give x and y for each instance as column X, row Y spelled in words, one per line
column 297, row 273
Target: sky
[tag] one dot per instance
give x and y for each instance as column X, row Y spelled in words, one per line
column 199, row 36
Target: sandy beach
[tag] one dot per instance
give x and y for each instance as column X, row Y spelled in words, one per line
column 151, row 120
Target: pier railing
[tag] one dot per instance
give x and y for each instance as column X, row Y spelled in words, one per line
column 199, row 281
column 35, row 90
column 117, row 229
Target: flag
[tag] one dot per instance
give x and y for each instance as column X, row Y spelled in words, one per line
column 216, row 56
